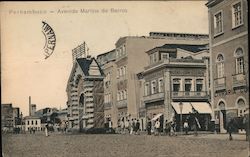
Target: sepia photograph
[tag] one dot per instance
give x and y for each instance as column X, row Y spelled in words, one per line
column 125, row 78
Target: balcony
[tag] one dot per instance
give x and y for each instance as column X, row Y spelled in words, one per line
column 122, row 104
column 239, row 80
column 178, row 62
column 190, row 95
column 220, row 84
column 107, row 105
column 154, row 97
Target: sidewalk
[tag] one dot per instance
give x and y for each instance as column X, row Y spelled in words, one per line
column 209, row 135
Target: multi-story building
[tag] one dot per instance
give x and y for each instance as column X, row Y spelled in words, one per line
column 33, row 122
column 10, row 116
column 85, row 95
column 107, row 62
column 131, row 60
column 176, row 74
column 228, row 29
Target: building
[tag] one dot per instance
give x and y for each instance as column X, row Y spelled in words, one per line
column 10, row 116
column 105, row 58
column 107, row 63
column 32, row 108
column 228, row 29
column 177, row 74
column 33, row 122
column 85, row 95
column 131, row 60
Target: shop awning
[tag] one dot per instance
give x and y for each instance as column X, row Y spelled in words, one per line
column 156, row 117
column 187, row 108
column 202, row 107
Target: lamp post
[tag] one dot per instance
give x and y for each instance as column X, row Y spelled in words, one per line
column 181, row 107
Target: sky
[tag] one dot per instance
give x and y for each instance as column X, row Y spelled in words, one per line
column 25, row 72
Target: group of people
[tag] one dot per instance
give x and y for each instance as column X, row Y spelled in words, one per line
column 156, row 127
column 129, row 126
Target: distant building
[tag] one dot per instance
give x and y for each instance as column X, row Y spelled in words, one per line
column 85, row 95
column 33, row 122
column 176, row 73
column 228, row 29
column 10, row 116
column 107, row 57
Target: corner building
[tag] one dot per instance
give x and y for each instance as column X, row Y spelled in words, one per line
column 228, row 29
column 131, row 60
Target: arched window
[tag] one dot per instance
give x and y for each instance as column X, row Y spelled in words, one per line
column 241, row 107
column 222, row 105
column 239, row 61
column 220, row 66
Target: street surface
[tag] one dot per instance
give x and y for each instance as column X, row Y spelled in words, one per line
column 66, row 145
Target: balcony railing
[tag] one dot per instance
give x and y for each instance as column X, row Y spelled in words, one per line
column 220, row 83
column 178, row 61
column 239, row 80
column 122, row 104
column 154, row 97
column 107, row 105
column 189, row 95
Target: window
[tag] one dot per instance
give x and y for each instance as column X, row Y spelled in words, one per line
column 28, row 122
column 153, row 87
column 220, row 66
column 164, row 56
column 237, row 19
column 122, row 95
column 118, row 96
column 160, row 84
column 146, row 89
column 32, row 122
column 124, row 70
column 241, row 107
column 188, row 85
column 218, row 23
column 125, row 94
column 199, row 85
column 151, row 59
column 118, row 72
column 176, row 85
column 239, row 61
column 155, row 57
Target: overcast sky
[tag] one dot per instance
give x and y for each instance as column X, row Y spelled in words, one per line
column 25, row 72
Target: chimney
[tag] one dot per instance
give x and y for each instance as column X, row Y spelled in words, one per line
column 29, row 105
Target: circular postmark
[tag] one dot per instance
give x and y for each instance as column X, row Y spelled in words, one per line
column 50, row 39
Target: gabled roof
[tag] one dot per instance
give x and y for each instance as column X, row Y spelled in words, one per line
column 85, row 63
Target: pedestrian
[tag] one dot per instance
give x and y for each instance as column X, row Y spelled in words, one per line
column 186, row 127
column 173, row 127
column 127, row 125
column 230, row 129
column 167, row 127
column 137, row 127
column 46, row 130
column 157, row 127
column 149, row 126
column 110, row 125
column 246, row 126
column 33, row 129
column 132, row 126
